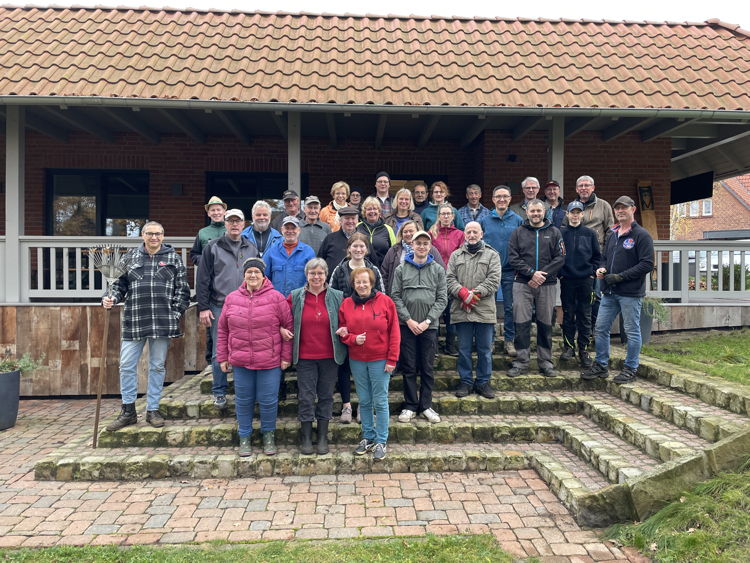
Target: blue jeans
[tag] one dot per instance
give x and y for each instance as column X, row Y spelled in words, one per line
column 506, row 285
column 130, row 352
column 251, row 385
column 630, row 309
column 372, row 382
column 219, row 386
column 483, row 334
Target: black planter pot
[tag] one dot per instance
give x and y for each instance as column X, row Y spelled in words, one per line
column 10, row 387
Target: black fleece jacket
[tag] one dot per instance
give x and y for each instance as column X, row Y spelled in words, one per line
column 582, row 253
column 531, row 249
column 632, row 256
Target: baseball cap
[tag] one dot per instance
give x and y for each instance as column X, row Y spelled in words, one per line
column 234, row 213
column 312, row 199
column 624, row 200
column 552, row 183
column 421, row 234
column 290, row 219
column 289, row 194
column 348, row 211
column 575, row 205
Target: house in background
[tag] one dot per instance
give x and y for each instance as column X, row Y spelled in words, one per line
column 724, row 216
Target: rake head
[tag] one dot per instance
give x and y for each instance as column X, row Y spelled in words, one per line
column 109, row 260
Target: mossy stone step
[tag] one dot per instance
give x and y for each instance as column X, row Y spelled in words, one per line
column 287, row 433
column 445, row 403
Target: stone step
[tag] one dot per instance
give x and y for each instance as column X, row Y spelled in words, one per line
column 444, row 402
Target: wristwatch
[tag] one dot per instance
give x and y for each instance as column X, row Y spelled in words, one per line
column 428, row 321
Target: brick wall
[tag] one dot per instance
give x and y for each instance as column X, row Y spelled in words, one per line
column 727, row 213
column 615, row 166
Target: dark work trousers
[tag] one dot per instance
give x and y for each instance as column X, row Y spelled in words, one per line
column 316, row 378
column 450, row 330
column 418, row 359
column 344, row 384
column 527, row 301
column 575, row 295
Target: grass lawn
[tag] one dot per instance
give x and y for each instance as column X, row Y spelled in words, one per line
column 711, row 523
column 725, row 354
column 432, row 549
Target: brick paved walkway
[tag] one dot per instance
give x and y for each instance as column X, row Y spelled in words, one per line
column 515, row 506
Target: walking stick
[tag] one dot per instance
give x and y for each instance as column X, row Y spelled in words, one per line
column 108, row 259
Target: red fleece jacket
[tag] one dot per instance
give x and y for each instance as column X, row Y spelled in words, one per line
column 378, row 318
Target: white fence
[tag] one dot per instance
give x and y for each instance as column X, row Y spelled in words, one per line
column 59, row 268
column 702, row 271
column 4, row 265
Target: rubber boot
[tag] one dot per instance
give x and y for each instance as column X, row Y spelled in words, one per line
column 126, row 417
column 322, row 437
column 450, row 345
column 269, row 442
column 305, row 438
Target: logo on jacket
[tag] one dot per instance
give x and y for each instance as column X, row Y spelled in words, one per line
column 628, row 243
column 162, row 263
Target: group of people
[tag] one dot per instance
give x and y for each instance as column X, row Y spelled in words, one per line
column 358, row 288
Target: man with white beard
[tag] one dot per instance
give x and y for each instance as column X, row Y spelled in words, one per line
column 260, row 231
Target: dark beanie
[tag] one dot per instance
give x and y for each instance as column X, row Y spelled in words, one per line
column 381, row 174
column 254, row 263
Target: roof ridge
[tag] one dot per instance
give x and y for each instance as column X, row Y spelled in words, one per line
column 714, row 22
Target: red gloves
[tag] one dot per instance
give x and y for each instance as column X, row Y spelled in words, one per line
column 469, row 298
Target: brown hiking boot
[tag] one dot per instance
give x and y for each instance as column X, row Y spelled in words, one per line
column 126, row 417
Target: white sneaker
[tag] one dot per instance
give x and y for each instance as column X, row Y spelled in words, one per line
column 406, row 415
column 431, row 415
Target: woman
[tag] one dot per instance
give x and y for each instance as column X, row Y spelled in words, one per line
column 398, row 252
column 355, row 197
column 446, row 239
column 250, row 343
column 317, row 352
column 379, row 235
column 440, row 194
column 356, row 250
column 330, row 213
column 369, row 327
column 404, row 211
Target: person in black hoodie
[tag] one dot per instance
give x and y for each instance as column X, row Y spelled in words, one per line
column 536, row 252
column 582, row 258
column 628, row 259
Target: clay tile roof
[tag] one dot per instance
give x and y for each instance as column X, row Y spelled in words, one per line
column 348, row 59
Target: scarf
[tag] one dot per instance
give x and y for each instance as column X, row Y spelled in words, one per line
column 475, row 247
column 362, row 300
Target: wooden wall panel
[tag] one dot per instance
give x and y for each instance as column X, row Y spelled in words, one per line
column 70, row 337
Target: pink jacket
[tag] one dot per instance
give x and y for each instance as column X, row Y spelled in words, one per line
column 447, row 241
column 248, row 332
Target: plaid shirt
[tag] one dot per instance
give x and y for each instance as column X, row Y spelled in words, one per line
column 467, row 214
column 155, row 291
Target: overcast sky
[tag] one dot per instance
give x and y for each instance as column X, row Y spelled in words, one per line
column 736, row 12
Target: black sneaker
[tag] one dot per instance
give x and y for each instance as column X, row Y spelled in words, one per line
column 586, row 361
column 549, row 372
column 463, row 390
column 378, row 452
column 567, row 354
column 596, row 370
column 364, row 447
column 625, row 376
column 485, row 390
column 516, row 371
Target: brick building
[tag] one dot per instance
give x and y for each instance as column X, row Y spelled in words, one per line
column 725, row 215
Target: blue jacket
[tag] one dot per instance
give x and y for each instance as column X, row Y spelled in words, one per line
column 287, row 272
column 497, row 232
column 275, row 236
column 429, row 217
column 632, row 256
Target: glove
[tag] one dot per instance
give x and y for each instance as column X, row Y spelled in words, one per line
column 465, row 295
column 612, row 279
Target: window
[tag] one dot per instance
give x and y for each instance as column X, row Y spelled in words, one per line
column 694, row 208
column 708, row 207
column 682, row 210
column 97, row 202
column 240, row 190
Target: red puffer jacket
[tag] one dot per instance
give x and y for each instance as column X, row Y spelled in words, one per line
column 378, row 318
column 248, row 332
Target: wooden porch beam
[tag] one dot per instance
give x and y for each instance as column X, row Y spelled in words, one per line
column 621, row 127
column 577, row 125
column 663, row 128
column 129, row 120
column 77, row 119
column 331, row 126
column 233, row 124
column 427, row 132
column 280, row 121
column 474, row 131
column 44, row 127
column 524, row 126
column 179, row 120
column 380, row 130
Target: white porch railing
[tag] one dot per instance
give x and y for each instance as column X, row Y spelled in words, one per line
column 59, row 267
column 4, row 265
column 702, row 271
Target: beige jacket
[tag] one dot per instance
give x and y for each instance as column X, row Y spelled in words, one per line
column 479, row 271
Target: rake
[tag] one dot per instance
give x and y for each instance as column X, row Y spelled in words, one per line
column 109, row 260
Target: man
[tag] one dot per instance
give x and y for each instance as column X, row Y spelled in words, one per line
column 536, row 252
column 383, row 192
column 285, row 261
column 215, row 209
column 156, row 294
column 582, row 258
column 498, row 226
column 421, row 201
column 291, row 209
column 314, row 231
column 530, row 189
column 473, row 278
column 419, row 292
column 260, row 232
column 333, row 248
column 219, row 273
column 473, row 210
column 628, row 259
column 597, row 213
column 554, row 202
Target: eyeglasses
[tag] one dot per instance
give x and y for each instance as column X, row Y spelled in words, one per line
column 500, row 197
column 234, row 221
column 153, row 235
column 383, row 182
column 584, row 185
column 445, row 213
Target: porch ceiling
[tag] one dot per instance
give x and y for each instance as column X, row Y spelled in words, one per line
column 702, row 141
